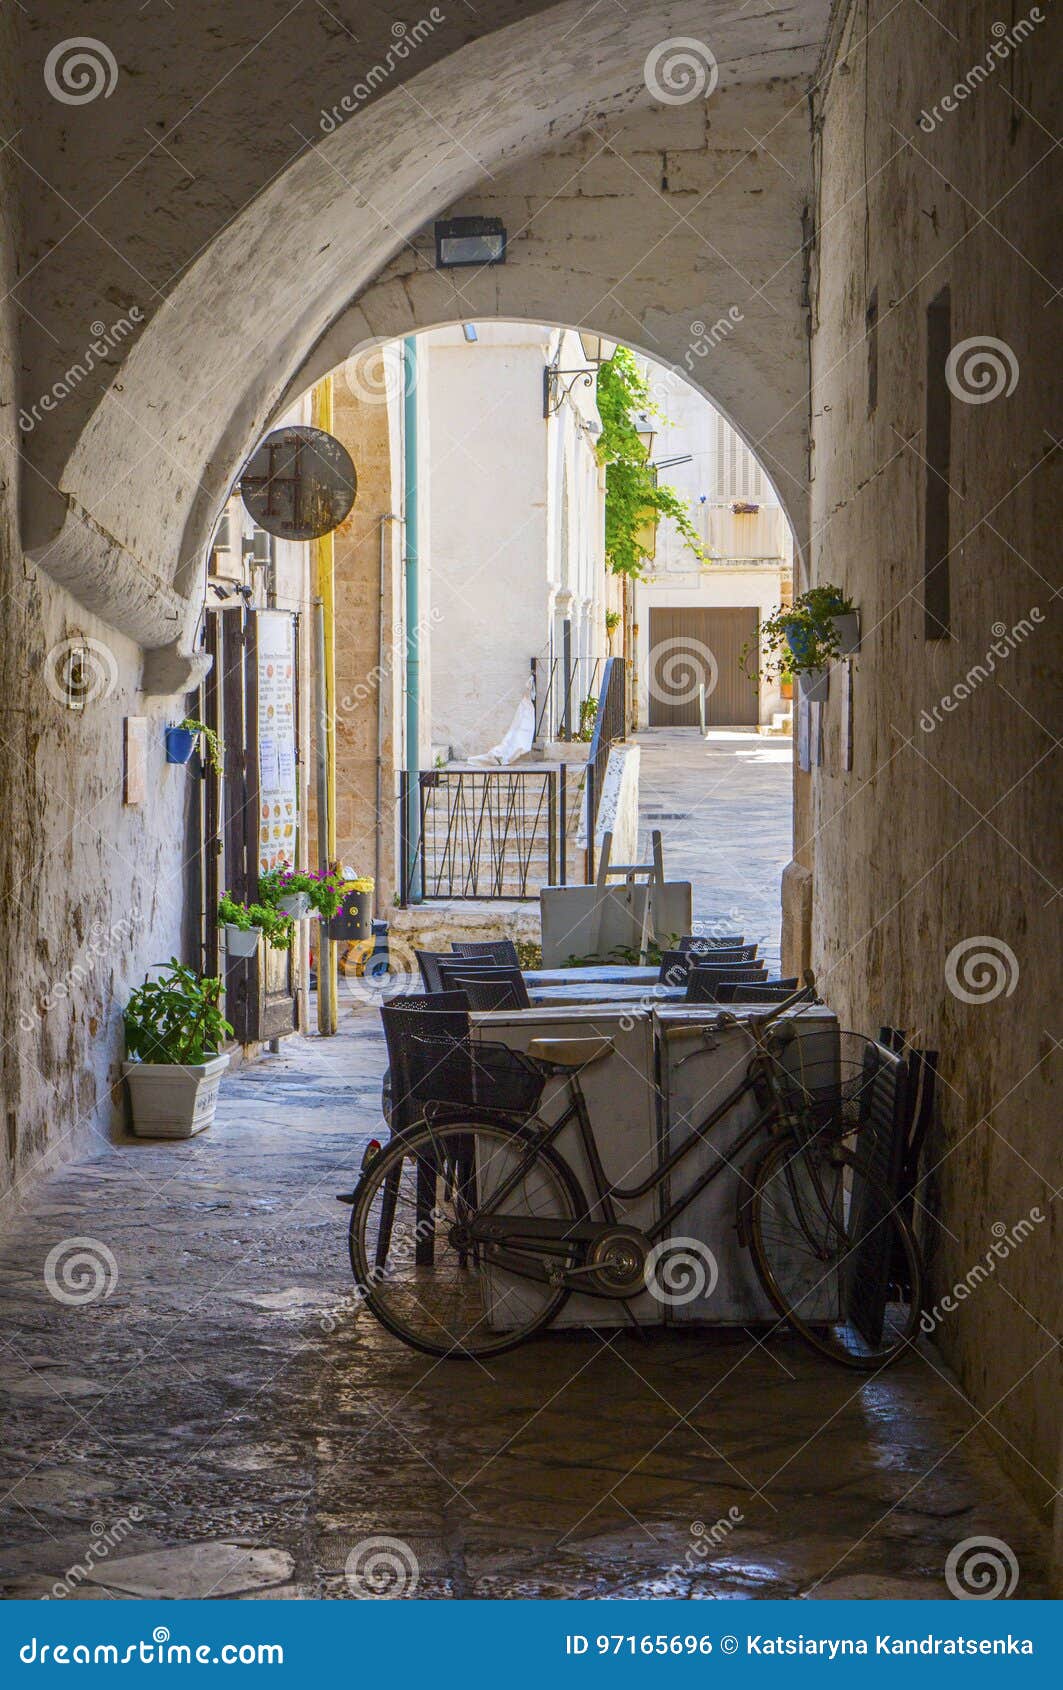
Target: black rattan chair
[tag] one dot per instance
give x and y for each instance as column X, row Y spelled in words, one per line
column 710, row 942
column 702, row 982
column 485, row 991
column 437, row 1069
column 456, row 976
column 767, row 991
column 428, row 962
column 676, row 965
column 408, row 1022
column 501, row 951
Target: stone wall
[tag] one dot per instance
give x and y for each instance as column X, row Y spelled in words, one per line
column 941, row 840
column 369, row 648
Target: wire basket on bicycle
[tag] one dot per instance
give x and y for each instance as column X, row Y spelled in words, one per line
column 832, row 1080
column 436, row 1065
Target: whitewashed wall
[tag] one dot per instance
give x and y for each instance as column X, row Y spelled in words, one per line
column 516, row 522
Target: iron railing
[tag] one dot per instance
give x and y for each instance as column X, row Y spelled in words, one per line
column 559, row 694
column 609, row 728
column 486, row 833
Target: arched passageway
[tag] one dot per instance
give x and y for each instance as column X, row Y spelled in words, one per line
column 888, row 250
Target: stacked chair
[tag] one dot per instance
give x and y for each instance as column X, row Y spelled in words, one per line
column 721, row 969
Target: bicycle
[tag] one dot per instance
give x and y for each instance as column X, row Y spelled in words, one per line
column 470, row 1230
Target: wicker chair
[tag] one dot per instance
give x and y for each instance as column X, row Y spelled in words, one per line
column 700, row 942
column 676, row 965
column 702, row 982
column 766, row 991
column 459, row 976
column 501, row 951
column 428, row 962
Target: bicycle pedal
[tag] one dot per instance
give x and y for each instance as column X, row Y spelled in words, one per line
column 346, row 1196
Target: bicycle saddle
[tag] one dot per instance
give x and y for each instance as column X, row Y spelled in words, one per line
column 569, row 1053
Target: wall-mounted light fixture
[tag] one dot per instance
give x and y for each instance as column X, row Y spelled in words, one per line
column 646, row 431
column 470, row 240
column 469, row 331
column 558, row 384
column 596, row 349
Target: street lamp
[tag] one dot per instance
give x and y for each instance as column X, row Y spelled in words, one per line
column 646, row 431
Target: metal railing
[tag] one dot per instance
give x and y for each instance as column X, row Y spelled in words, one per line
column 487, row 833
column 559, row 696
column 609, row 728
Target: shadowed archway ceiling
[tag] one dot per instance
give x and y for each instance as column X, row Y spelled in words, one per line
column 210, row 191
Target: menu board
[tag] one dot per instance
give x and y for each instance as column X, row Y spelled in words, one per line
column 277, row 786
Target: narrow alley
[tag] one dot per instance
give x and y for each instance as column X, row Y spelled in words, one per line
column 201, row 1403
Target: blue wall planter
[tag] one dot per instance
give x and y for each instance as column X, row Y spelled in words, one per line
column 801, row 639
column 180, row 744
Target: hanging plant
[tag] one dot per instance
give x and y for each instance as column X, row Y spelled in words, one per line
column 805, row 636
column 214, row 757
column 634, row 501
column 263, row 920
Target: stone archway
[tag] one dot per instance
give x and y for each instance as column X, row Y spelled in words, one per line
column 127, row 487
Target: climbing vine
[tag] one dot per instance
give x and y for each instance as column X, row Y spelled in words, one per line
column 633, row 498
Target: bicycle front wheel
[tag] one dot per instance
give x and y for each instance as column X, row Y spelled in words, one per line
column 413, row 1261
column 834, row 1254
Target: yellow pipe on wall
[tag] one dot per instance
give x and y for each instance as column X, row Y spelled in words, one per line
column 324, row 579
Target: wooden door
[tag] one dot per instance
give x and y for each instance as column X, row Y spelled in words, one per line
column 271, row 688
column 693, row 646
column 260, row 998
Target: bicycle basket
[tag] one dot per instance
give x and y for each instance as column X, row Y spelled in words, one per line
column 831, row 1079
column 461, row 1074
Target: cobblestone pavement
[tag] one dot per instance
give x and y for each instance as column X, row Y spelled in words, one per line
column 221, row 1419
column 723, row 806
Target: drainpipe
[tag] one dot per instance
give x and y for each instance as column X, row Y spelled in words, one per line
column 413, row 643
column 325, row 613
column 381, row 642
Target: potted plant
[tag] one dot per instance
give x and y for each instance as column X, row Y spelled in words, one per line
column 173, row 1033
column 833, row 613
column 288, row 890
column 181, row 741
column 246, row 924
column 802, row 640
column 353, row 919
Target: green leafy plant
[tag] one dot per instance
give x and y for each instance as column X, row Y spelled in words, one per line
column 214, row 757
column 175, row 1018
column 588, row 715
column 627, row 954
column 529, row 953
column 633, row 497
column 613, row 620
column 277, row 929
column 797, row 637
column 325, row 891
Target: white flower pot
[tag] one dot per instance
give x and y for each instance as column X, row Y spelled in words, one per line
column 241, row 941
column 295, row 904
column 814, row 684
column 171, row 1100
column 847, row 632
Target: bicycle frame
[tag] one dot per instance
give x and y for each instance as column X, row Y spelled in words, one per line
column 758, row 1079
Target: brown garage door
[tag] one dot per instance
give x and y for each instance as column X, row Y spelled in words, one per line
column 690, row 645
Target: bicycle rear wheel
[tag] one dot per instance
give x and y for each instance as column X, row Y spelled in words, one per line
column 834, row 1253
column 412, row 1259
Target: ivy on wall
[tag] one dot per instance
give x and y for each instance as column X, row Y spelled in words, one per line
column 633, row 499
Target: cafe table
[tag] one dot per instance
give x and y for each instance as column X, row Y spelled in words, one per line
column 610, row 973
